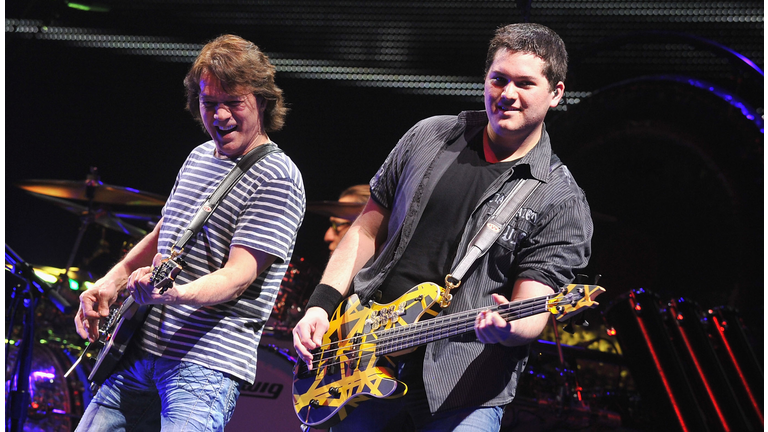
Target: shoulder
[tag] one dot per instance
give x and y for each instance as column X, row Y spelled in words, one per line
column 277, row 172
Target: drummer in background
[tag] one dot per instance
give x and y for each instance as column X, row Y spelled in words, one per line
column 357, row 194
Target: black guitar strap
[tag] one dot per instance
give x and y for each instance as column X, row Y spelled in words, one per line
column 206, row 210
column 491, row 230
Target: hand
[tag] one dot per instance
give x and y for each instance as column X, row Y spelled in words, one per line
column 94, row 305
column 308, row 333
column 140, row 286
column 490, row 327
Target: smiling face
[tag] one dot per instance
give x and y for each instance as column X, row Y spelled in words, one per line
column 517, row 97
column 233, row 121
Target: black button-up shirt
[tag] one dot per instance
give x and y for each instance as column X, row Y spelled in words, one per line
column 547, row 241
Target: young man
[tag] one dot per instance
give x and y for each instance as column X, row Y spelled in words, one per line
column 429, row 198
column 199, row 342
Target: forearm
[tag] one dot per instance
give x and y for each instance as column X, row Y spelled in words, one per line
column 354, row 250
column 526, row 330
column 225, row 284
column 357, row 247
column 220, row 286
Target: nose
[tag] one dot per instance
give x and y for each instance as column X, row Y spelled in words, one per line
column 330, row 235
column 510, row 91
column 221, row 112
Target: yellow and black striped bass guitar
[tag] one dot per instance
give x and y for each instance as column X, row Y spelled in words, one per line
column 353, row 363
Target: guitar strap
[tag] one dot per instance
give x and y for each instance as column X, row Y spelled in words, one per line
column 206, row 210
column 491, row 230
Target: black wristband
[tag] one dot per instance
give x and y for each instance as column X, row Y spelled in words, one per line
column 326, row 297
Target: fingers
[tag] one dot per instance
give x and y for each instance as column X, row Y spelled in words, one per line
column 499, row 299
column 490, row 327
column 308, row 334
column 80, row 324
column 93, row 330
column 301, row 348
column 138, row 287
column 157, row 260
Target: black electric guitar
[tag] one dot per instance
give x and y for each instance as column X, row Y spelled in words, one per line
column 116, row 333
column 353, row 364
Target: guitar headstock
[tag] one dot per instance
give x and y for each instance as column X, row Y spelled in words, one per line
column 572, row 299
column 165, row 273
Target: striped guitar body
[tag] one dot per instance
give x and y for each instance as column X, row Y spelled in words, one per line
column 354, row 365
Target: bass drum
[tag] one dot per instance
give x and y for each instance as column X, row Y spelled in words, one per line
column 267, row 404
column 55, row 403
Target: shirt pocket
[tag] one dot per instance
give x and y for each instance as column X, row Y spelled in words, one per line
column 513, row 235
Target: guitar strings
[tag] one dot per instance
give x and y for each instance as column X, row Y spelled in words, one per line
column 414, row 332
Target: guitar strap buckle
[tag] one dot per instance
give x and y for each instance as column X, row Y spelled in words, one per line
column 175, row 253
column 450, row 283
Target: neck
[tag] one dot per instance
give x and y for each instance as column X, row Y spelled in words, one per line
column 263, row 139
column 505, row 149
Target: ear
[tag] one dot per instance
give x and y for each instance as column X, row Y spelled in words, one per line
column 557, row 94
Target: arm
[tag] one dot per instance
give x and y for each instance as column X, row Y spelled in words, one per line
column 95, row 302
column 227, row 283
column 355, row 249
column 490, row 327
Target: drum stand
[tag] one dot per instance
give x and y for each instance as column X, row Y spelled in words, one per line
column 85, row 220
column 27, row 289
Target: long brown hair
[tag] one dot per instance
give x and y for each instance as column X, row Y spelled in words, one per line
column 241, row 68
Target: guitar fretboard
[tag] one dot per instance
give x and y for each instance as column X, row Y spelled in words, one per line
column 421, row 333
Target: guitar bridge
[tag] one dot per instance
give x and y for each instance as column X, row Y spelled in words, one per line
column 385, row 316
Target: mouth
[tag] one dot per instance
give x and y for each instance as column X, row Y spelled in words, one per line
column 223, row 131
column 505, row 108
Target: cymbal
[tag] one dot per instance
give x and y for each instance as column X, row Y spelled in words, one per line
column 102, row 193
column 341, row 210
column 100, row 216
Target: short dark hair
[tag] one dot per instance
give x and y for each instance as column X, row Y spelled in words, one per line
column 241, row 67
column 535, row 39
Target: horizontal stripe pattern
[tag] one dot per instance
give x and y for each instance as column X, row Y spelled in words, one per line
column 262, row 212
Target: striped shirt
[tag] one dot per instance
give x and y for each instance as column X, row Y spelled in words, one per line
column 262, row 212
column 547, row 241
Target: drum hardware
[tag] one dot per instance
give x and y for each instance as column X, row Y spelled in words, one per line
column 295, row 289
column 267, row 404
column 341, row 210
column 93, row 191
column 26, row 291
column 100, row 215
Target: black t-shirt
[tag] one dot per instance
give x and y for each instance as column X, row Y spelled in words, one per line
column 432, row 249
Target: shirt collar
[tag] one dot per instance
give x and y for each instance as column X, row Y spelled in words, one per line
column 538, row 158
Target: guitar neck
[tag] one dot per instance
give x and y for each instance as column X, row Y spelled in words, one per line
column 421, row 333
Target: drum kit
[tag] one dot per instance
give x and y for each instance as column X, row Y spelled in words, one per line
column 41, row 302
column 41, row 343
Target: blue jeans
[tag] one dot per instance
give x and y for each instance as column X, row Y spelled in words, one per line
column 392, row 415
column 150, row 393
column 411, row 412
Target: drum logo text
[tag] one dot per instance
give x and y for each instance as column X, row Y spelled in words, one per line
column 266, row 390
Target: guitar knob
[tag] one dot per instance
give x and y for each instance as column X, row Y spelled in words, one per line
column 314, row 403
column 335, row 392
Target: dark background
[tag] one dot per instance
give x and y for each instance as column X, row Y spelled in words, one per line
column 661, row 124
